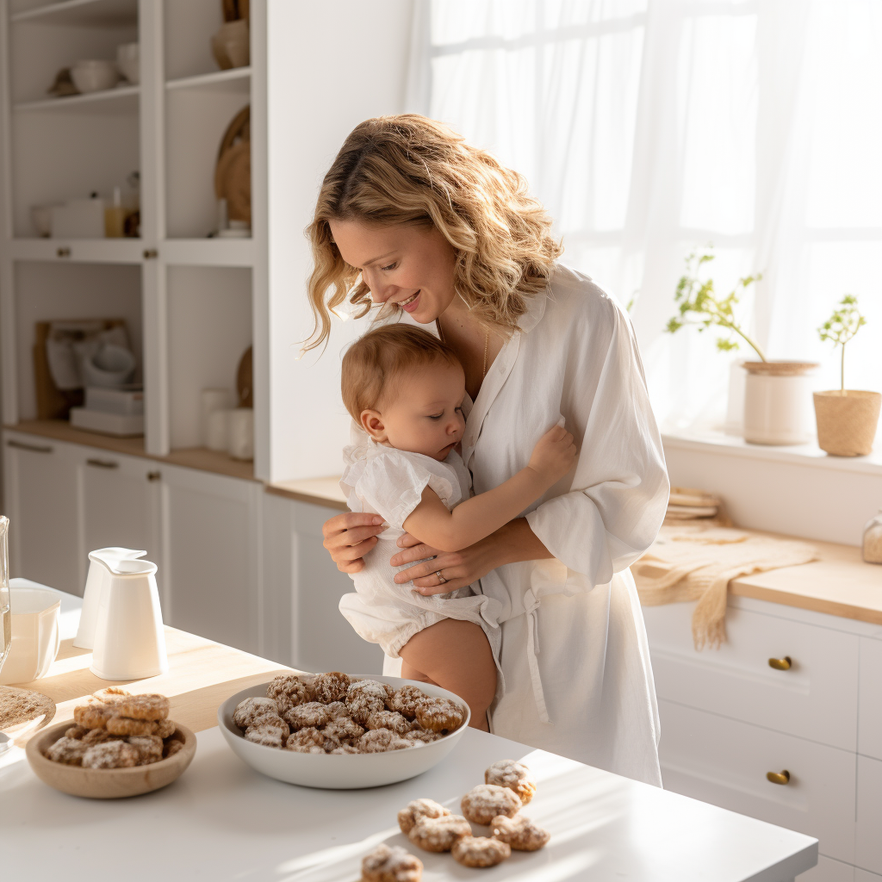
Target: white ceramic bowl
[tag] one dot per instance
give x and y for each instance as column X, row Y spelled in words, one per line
column 344, row 771
column 109, row 366
column 128, row 61
column 94, row 75
column 35, row 634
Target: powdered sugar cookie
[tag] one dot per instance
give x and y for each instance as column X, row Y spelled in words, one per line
column 440, row 715
column 480, row 851
column 332, row 686
column 68, row 751
column 439, row 834
column 93, row 715
column 302, row 716
column 417, row 810
column 406, row 700
column 364, row 697
column 309, row 740
column 514, row 775
column 142, row 707
column 376, row 741
column 391, row 720
column 250, row 711
column 288, row 690
column 149, row 748
column 519, row 832
column 110, row 755
column 385, row 864
column 486, row 801
column 119, row 725
column 344, row 728
column 268, row 736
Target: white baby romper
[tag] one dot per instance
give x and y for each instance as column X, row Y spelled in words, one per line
column 390, row 483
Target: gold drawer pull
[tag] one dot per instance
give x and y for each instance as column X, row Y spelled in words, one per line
column 781, row 664
column 63, row 252
column 779, row 777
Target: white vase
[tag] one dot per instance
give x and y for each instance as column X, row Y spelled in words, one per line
column 778, row 407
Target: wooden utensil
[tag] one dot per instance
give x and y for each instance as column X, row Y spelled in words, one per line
column 245, row 380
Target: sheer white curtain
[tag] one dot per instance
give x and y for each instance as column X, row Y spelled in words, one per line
column 652, row 127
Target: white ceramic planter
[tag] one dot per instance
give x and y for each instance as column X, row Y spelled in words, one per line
column 778, row 406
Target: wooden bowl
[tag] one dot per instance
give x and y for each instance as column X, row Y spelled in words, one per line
column 107, row 783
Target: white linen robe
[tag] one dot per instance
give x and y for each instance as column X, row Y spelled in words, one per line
column 578, row 679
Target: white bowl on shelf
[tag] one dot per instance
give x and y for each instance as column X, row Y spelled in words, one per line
column 128, row 60
column 94, row 75
column 109, row 366
column 342, row 771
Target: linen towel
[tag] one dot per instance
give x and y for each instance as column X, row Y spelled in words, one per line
column 695, row 562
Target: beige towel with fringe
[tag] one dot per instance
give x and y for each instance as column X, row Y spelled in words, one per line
column 698, row 562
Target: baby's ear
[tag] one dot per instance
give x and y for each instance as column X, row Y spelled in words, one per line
column 372, row 423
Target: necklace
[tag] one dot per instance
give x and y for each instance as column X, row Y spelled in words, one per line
column 486, row 344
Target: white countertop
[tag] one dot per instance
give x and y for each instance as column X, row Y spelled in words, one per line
column 222, row 820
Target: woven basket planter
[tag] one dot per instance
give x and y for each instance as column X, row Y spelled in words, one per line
column 847, row 421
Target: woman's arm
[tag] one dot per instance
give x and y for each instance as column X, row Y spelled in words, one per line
column 512, row 543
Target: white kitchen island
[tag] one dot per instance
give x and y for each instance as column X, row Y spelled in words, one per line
column 223, row 821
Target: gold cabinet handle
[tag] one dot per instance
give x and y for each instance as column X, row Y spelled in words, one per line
column 154, row 476
column 150, row 253
column 781, row 664
column 778, row 777
column 62, row 252
column 102, row 463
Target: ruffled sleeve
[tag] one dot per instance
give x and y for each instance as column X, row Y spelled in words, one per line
column 391, row 483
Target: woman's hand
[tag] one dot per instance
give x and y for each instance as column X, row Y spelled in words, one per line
column 457, row 568
column 349, row 537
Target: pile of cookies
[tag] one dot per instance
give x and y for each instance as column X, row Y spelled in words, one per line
column 334, row 713
column 508, row 786
column 116, row 730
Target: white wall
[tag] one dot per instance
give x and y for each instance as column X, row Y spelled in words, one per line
column 330, row 66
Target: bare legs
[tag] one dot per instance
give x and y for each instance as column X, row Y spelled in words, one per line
column 456, row 656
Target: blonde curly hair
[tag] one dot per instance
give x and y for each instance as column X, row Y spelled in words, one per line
column 408, row 169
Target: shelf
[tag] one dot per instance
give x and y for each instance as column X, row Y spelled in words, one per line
column 83, row 13
column 235, row 81
column 208, row 252
column 81, row 250
column 120, row 100
column 800, row 454
column 198, row 458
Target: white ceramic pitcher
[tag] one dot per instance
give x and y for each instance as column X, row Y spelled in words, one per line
column 96, row 580
column 129, row 637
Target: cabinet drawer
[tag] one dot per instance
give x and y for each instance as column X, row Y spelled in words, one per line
column 816, row 698
column 869, row 815
column 724, row 762
column 870, row 725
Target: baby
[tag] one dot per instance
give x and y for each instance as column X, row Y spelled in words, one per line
column 405, row 389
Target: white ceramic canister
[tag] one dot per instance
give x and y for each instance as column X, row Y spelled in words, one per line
column 778, row 406
column 211, row 400
column 241, row 433
column 96, row 580
column 129, row 636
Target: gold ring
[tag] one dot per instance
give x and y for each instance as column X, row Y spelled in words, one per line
column 441, row 578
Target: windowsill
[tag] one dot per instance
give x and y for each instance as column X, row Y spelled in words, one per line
column 714, row 441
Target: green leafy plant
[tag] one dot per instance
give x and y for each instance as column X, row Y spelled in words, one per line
column 699, row 305
column 845, row 322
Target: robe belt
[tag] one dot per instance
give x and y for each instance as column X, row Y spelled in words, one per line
column 531, row 608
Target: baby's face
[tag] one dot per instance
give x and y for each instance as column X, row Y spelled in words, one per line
column 426, row 413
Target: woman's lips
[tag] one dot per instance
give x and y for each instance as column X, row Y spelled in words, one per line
column 410, row 307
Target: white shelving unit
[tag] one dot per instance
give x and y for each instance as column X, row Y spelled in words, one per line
column 194, row 297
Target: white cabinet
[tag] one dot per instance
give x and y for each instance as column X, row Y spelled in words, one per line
column 728, row 718
column 41, row 501
column 210, row 537
column 120, row 502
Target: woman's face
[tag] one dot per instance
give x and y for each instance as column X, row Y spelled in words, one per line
column 405, row 264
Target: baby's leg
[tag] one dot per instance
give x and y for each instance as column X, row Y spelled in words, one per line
column 454, row 655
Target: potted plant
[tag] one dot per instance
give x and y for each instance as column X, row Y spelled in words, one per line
column 777, row 407
column 847, row 418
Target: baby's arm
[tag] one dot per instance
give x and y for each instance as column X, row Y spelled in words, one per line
column 433, row 524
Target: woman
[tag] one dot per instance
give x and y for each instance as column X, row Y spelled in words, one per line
column 440, row 231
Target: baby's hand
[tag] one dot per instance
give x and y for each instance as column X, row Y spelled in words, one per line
column 554, row 454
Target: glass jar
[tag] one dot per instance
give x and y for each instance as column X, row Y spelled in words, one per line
column 872, row 544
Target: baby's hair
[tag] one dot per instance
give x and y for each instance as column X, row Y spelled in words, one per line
column 373, row 363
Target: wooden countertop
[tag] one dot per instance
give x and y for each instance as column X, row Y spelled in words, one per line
column 838, row 584
column 201, row 674
column 198, row 458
